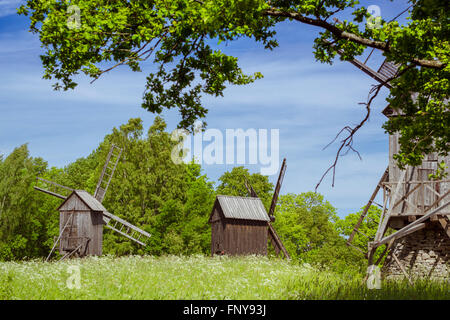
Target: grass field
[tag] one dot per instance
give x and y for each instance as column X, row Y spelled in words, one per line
column 195, row 277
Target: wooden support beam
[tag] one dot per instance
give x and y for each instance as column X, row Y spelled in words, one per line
column 109, row 216
column 445, row 223
column 439, row 199
column 406, row 195
column 366, row 208
column 402, row 268
column 50, row 193
column 400, row 234
column 370, row 252
column 70, row 219
column 383, row 222
column 358, row 249
column 378, row 204
column 413, row 224
column 106, row 177
column 55, row 184
column 363, row 234
column 277, row 242
column 384, row 252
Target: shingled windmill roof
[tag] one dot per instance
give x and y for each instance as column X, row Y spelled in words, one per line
column 88, row 200
column 244, row 208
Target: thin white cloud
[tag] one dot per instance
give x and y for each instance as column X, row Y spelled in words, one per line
column 8, row 7
column 16, row 42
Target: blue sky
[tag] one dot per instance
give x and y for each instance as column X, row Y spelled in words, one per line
column 307, row 101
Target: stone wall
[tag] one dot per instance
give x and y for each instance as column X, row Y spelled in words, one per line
column 424, row 254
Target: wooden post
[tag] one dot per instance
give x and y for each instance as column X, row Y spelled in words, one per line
column 367, row 207
column 402, row 268
column 383, row 223
column 60, row 235
column 445, row 224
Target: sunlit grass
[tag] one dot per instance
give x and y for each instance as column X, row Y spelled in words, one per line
column 195, row 277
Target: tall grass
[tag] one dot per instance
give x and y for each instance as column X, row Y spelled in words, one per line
column 195, row 277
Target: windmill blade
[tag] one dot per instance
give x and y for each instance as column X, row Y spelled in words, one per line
column 385, row 72
column 277, row 188
column 52, row 188
column 250, row 189
column 388, row 69
column 379, row 76
column 124, row 228
column 107, row 173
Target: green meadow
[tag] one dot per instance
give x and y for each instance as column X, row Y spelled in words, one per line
column 195, row 277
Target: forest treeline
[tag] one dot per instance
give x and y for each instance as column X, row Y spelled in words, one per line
column 170, row 201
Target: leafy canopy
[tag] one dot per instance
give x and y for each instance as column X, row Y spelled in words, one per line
column 233, row 183
column 97, row 36
column 308, row 226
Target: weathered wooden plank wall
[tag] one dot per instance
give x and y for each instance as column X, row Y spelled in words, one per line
column 86, row 224
column 421, row 199
column 243, row 237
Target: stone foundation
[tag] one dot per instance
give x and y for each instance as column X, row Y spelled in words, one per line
column 424, row 254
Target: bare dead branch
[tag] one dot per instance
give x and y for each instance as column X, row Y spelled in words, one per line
column 347, row 142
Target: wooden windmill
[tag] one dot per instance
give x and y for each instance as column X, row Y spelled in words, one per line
column 82, row 215
column 241, row 225
column 413, row 206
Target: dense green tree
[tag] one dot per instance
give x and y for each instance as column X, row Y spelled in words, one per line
column 232, row 183
column 23, row 220
column 96, row 36
column 367, row 228
column 200, row 196
column 305, row 224
column 305, row 221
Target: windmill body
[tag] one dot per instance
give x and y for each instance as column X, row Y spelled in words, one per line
column 82, row 215
column 241, row 225
column 414, row 206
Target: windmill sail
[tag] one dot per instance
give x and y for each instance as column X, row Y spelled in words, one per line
column 277, row 188
column 124, row 228
column 108, row 171
column 369, row 71
column 386, row 71
column 273, row 236
column 250, row 189
column 52, row 188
